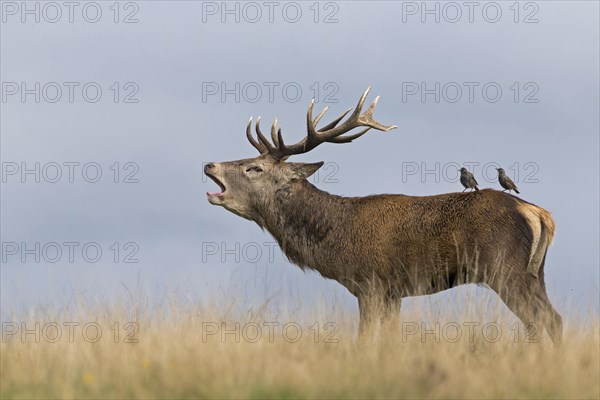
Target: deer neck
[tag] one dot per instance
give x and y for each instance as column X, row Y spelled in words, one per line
column 304, row 219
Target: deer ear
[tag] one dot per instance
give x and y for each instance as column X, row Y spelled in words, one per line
column 304, row 170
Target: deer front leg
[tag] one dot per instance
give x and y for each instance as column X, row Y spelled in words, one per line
column 376, row 307
column 368, row 315
column 390, row 318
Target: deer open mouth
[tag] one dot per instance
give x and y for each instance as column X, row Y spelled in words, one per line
column 221, row 186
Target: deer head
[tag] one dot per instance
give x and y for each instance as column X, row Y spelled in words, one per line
column 248, row 185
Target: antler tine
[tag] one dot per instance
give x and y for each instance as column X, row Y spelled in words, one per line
column 283, row 152
column 274, row 133
column 333, row 123
column 280, row 139
column 357, row 119
column 316, row 121
column 349, row 138
column 367, row 118
column 312, row 132
column 372, row 106
column 262, row 149
column 353, row 121
column 359, row 106
column 269, row 147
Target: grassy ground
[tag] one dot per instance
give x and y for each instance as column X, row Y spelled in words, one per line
column 187, row 352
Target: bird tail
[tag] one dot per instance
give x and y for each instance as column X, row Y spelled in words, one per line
column 478, row 189
column 517, row 191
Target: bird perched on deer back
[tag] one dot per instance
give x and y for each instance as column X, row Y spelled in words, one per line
column 505, row 181
column 467, row 179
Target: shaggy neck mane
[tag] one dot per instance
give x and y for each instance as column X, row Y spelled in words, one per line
column 304, row 219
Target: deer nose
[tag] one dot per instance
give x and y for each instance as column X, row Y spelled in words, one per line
column 209, row 166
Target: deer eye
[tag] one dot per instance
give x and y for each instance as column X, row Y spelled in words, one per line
column 254, row 168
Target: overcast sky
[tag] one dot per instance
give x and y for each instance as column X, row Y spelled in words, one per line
column 146, row 100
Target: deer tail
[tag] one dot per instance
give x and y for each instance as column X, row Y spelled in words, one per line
column 543, row 228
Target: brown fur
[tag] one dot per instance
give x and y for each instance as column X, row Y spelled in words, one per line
column 385, row 247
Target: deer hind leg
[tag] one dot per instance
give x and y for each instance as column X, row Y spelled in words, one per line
column 527, row 299
column 553, row 322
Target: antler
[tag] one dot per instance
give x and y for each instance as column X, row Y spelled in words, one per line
column 331, row 133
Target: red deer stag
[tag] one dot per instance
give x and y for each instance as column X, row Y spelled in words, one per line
column 385, row 247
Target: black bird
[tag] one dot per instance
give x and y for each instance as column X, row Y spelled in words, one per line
column 467, row 179
column 505, row 181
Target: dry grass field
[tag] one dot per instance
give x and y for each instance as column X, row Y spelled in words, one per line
column 215, row 351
